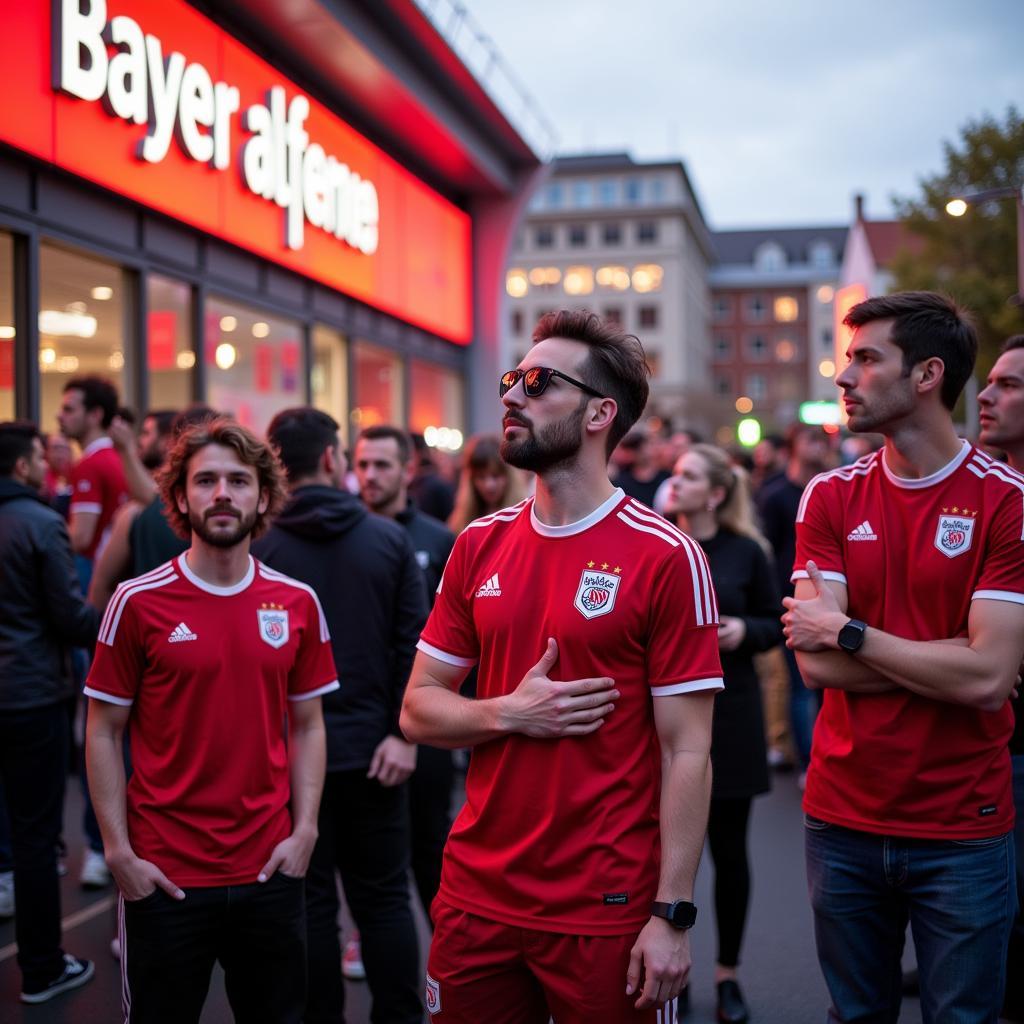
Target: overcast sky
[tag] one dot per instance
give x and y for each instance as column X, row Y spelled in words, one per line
column 781, row 109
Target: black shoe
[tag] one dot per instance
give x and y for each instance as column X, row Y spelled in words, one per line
column 731, row 1007
column 76, row 972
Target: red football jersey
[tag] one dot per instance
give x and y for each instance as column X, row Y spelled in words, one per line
column 98, row 486
column 207, row 671
column 914, row 554
column 562, row 835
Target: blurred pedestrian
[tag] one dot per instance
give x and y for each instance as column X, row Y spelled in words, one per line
column 43, row 614
column 909, row 614
column 431, row 493
column 636, row 468
column 553, row 900
column 375, row 610
column 1002, row 427
column 206, row 659
column 710, row 500
column 486, row 485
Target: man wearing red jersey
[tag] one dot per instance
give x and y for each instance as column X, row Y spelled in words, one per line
column 97, row 479
column 594, row 624
column 205, row 658
column 909, row 614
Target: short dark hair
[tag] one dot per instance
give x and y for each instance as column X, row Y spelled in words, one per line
column 300, row 436
column 164, row 419
column 97, row 393
column 16, row 437
column 251, row 451
column 615, row 365
column 926, row 325
column 385, row 432
column 800, row 429
column 1012, row 342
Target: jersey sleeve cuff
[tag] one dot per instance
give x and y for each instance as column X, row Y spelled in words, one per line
column 688, row 686
column 998, row 595
column 318, row 692
column 828, row 574
column 448, row 659
column 121, row 702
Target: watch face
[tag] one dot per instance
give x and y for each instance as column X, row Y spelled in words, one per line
column 683, row 915
column 851, row 636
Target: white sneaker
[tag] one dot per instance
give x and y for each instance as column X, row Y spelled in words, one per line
column 76, row 972
column 95, row 873
column 6, row 894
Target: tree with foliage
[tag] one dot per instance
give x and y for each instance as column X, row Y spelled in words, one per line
column 973, row 258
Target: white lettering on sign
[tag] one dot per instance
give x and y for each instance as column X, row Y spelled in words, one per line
column 176, row 98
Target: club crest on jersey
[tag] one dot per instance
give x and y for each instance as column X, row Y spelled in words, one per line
column 595, row 595
column 273, row 626
column 954, row 533
column 433, row 996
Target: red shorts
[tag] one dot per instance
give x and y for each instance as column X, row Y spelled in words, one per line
column 482, row 970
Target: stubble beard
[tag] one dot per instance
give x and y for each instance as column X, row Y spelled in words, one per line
column 220, row 539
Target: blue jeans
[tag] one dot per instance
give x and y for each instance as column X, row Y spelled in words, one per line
column 803, row 710
column 1015, row 958
column 959, row 897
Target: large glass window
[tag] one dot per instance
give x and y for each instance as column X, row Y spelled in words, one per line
column 435, row 404
column 82, row 306
column 378, row 387
column 170, row 354
column 330, row 373
column 6, row 327
column 255, row 364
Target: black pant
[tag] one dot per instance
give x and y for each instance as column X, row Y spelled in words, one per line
column 430, row 805
column 257, row 932
column 727, row 837
column 364, row 835
column 33, row 767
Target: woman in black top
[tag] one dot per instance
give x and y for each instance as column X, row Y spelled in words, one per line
column 710, row 500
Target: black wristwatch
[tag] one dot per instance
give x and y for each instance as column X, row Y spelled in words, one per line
column 679, row 914
column 851, row 636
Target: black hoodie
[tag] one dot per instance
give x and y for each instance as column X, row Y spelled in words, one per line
column 363, row 570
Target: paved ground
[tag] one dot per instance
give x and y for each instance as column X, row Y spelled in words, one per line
column 779, row 974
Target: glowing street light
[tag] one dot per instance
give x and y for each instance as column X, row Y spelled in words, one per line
column 957, row 207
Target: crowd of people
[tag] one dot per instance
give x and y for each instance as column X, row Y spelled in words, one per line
column 283, row 644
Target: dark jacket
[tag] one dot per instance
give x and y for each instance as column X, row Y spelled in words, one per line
column 745, row 587
column 42, row 612
column 432, row 543
column 372, row 592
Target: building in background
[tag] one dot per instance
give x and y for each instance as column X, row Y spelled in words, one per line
column 627, row 240
column 772, row 330
column 252, row 204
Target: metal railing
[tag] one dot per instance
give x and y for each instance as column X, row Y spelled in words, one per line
column 463, row 33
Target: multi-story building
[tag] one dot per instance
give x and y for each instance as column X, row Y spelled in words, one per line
column 772, row 293
column 627, row 240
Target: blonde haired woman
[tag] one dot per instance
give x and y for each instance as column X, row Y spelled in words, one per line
column 486, row 484
column 710, row 500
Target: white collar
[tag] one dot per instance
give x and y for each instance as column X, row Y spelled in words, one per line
column 209, row 588
column 570, row 529
column 927, row 481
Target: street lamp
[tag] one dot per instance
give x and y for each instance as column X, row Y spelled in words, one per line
column 957, row 207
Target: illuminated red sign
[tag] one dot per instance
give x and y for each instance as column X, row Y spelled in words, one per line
column 151, row 99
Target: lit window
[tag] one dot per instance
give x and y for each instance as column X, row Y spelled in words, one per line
column 827, row 368
column 647, row 231
column 613, row 277
column 647, row 277
column 787, row 309
column 545, row 277
column 826, row 293
column 516, row 284
column 648, row 316
column 785, row 351
column 577, row 235
column 611, row 234
column 578, row 281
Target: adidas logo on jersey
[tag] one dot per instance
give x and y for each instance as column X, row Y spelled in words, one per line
column 863, row 532
column 181, row 633
column 490, row 588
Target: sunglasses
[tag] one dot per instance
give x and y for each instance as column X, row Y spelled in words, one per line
column 536, row 381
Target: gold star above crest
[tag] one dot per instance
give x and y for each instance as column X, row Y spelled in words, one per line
column 617, row 569
column 604, row 565
column 945, row 511
column 956, row 510
column 591, row 564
